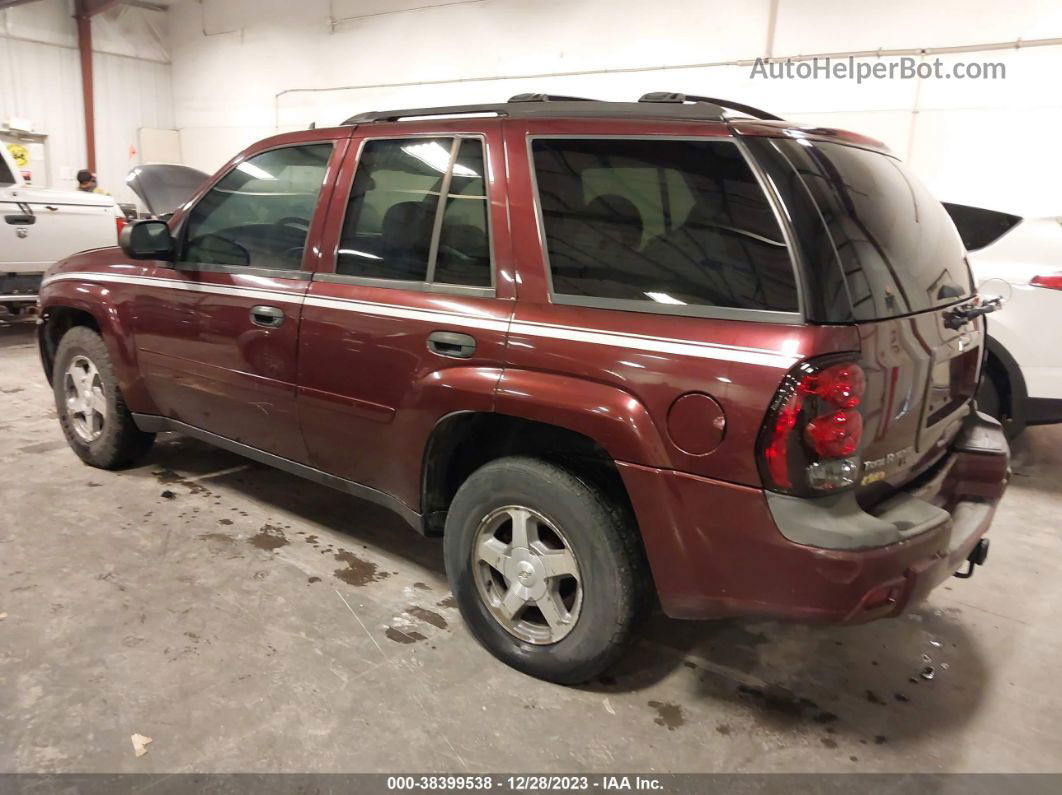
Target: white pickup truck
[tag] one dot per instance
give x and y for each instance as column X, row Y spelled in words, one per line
column 39, row 226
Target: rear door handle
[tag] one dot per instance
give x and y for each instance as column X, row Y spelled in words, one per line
column 21, row 219
column 268, row 316
column 452, row 344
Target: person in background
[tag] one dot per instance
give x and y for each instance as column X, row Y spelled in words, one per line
column 86, row 181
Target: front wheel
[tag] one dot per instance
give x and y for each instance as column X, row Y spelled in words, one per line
column 548, row 571
column 94, row 418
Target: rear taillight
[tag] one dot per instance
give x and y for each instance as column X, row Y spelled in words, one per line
column 1052, row 281
column 120, row 222
column 810, row 439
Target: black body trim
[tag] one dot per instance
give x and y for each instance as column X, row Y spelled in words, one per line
column 1042, row 411
column 151, row 423
column 1019, row 394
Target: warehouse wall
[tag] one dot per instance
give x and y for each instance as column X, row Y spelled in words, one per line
column 245, row 68
column 40, row 80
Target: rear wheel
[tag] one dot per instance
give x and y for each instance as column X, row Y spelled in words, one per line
column 92, row 413
column 547, row 570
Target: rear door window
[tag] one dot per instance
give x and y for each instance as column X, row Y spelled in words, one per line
column 978, row 227
column 393, row 230
column 660, row 225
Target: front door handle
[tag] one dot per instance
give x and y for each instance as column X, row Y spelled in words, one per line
column 452, row 344
column 20, row 219
column 268, row 316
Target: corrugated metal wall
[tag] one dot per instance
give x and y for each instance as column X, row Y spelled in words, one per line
column 40, row 80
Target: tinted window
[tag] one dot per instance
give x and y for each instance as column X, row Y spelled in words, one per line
column 464, row 250
column 898, row 250
column 390, row 224
column 661, row 221
column 6, row 177
column 979, row 227
column 259, row 214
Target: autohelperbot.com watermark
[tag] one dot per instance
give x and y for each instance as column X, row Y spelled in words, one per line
column 907, row 67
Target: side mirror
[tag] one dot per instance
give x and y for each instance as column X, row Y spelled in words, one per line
column 147, row 240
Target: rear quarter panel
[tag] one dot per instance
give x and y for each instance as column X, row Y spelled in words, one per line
column 614, row 375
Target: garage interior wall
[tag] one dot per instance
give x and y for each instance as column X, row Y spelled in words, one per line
column 40, row 80
column 243, row 69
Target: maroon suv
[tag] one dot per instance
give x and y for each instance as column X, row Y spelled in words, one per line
column 606, row 349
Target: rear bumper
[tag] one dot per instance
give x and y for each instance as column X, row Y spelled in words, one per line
column 717, row 549
column 19, row 287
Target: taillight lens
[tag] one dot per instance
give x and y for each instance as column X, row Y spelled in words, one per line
column 1052, row 281
column 810, row 439
column 120, row 222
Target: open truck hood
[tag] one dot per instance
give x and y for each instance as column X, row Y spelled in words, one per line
column 163, row 187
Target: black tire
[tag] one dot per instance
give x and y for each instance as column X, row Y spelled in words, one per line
column 601, row 535
column 120, row 443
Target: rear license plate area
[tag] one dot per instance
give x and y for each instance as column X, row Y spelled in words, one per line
column 952, row 380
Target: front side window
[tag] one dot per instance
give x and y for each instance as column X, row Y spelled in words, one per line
column 259, row 214
column 393, row 230
column 665, row 222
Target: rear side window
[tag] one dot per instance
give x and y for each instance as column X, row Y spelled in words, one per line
column 979, row 227
column 393, row 229
column 663, row 223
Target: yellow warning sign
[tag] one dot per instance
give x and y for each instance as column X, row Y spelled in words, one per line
column 20, row 154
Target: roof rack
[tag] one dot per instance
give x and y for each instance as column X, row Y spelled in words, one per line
column 527, row 105
column 679, row 99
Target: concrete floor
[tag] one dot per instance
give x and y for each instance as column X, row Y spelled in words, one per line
column 249, row 621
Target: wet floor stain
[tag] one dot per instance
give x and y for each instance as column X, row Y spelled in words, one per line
column 358, row 572
column 168, row 477
column 828, row 742
column 268, row 538
column 398, row 636
column 782, row 706
column 422, row 586
column 313, row 579
column 225, row 521
column 219, row 537
column 168, row 495
column 723, row 729
column 668, row 714
column 874, row 698
column 449, row 601
column 43, row 447
column 427, row 616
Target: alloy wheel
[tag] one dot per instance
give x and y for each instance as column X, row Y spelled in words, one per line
column 86, row 405
column 527, row 575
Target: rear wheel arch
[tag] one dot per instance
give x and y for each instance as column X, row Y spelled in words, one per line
column 462, row 442
column 1005, row 372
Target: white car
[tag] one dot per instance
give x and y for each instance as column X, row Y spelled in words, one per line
column 39, row 226
column 1023, row 374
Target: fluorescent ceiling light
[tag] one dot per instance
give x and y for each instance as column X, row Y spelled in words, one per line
column 664, row 298
column 433, row 155
column 353, row 253
column 251, row 170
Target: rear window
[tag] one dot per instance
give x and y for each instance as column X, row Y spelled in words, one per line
column 979, row 227
column 660, row 225
column 897, row 247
